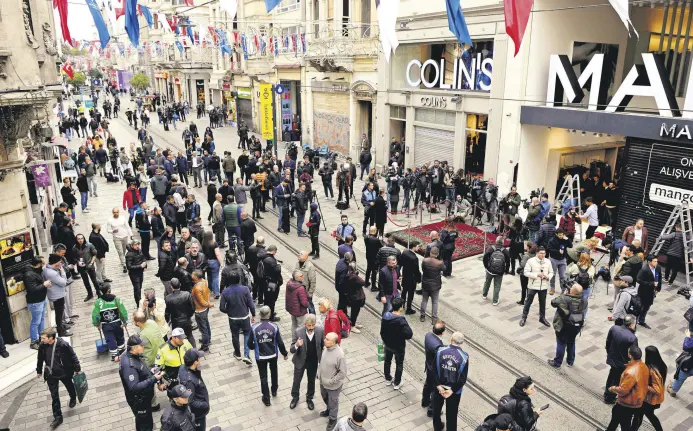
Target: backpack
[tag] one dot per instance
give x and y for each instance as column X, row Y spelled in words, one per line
column 507, row 404
column 634, row 306
column 267, row 184
column 260, row 271
column 538, row 218
column 344, row 324
column 583, row 278
column 496, row 262
column 575, row 318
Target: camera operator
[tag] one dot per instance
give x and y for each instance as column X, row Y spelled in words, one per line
column 292, row 152
column 343, row 181
column 491, row 199
column 395, row 147
column 352, row 175
column 408, row 184
column 326, row 174
column 436, row 177
column 534, row 216
column 513, row 202
column 307, row 166
column 421, row 186
column 299, row 200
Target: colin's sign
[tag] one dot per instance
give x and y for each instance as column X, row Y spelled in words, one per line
column 432, row 74
column 650, row 79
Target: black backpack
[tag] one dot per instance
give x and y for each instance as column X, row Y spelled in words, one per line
column 634, row 306
column 496, row 261
column 583, row 278
column 507, row 404
column 575, row 318
column 260, row 271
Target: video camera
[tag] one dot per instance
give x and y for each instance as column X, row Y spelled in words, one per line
column 532, row 194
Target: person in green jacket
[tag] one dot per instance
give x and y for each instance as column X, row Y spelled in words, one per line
column 110, row 314
column 152, row 333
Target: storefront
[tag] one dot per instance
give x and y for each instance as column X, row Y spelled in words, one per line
column 290, row 106
column 161, row 82
column 331, row 110
column 244, row 105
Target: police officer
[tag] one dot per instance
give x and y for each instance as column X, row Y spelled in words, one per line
column 266, row 340
column 177, row 416
column 170, row 355
column 138, row 383
column 189, row 375
column 432, row 342
column 452, row 365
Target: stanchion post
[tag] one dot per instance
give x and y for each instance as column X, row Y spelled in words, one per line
column 408, row 234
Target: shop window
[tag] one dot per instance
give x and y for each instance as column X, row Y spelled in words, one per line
column 435, row 116
column 398, row 112
column 475, row 143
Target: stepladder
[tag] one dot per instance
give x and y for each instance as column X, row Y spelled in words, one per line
column 679, row 227
column 569, row 194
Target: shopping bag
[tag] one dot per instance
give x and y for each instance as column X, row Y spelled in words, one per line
column 81, row 385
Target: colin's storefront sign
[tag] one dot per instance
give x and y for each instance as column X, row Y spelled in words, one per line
column 432, row 74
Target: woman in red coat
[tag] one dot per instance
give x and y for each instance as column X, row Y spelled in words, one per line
column 331, row 319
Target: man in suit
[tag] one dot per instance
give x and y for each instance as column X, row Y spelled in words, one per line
column 373, row 245
column 307, row 351
column 432, row 342
column 411, row 275
column 649, row 284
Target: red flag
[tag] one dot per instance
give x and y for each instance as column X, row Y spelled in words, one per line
column 189, row 3
column 119, row 11
column 516, row 18
column 61, row 5
column 67, row 68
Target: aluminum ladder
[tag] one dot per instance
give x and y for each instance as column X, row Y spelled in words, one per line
column 681, row 214
column 570, row 185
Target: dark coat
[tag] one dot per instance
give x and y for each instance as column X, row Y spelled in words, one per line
column 373, row 245
column 385, row 281
column 353, row 287
column 182, row 274
column 648, row 285
column 395, row 331
column 618, row 341
column 199, row 400
column 380, row 210
column 179, row 308
column 65, row 361
column 431, row 344
column 167, row 263
column 100, row 243
column 300, row 353
column 431, row 274
column 296, row 299
column 411, row 274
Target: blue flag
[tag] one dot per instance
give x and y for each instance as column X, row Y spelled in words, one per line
column 104, row 36
column 456, row 22
column 132, row 26
column 180, row 46
column 271, row 4
column 191, row 34
column 147, row 15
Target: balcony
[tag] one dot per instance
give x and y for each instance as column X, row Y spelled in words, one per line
column 351, row 40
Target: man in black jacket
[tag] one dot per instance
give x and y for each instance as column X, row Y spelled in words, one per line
column 35, row 287
column 196, row 259
column 395, row 331
column 177, row 416
column 618, row 341
column 101, row 245
column 432, row 342
column 411, row 275
column 649, row 284
column 138, row 383
column 373, row 246
column 272, row 279
column 61, row 363
column 184, row 274
column 340, row 275
column 252, row 258
column 167, row 263
column 557, row 248
column 365, row 159
column 190, row 376
column 300, row 203
column 388, row 283
column 136, row 263
column 180, row 309
column 248, row 230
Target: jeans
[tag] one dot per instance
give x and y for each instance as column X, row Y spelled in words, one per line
column 84, row 197
column 280, row 216
column 202, row 319
column 262, row 369
column 683, row 375
column 450, row 195
column 312, row 369
column 563, row 344
column 131, row 211
column 425, row 294
column 143, row 194
column 623, row 416
column 213, row 275
column 530, row 298
column 586, row 297
column 452, row 406
column 328, row 188
column 300, row 218
column 559, row 267
column 91, row 183
column 399, row 364
column 53, row 387
column 214, row 173
column 38, row 319
column 239, row 326
column 497, row 281
column 365, row 169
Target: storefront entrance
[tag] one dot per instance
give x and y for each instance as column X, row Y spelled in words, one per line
column 433, row 144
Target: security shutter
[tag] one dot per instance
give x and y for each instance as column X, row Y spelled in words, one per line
column 432, row 144
column 244, row 108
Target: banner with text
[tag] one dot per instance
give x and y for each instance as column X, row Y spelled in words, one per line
column 266, row 111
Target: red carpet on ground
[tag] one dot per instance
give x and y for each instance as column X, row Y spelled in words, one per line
column 469, row 243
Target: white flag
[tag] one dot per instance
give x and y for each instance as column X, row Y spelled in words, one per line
column 387, row 20
column 230, row 6
column 164, row 22
column 621, row 8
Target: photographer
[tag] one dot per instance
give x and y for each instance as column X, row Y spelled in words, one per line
column 534, row 217
column 421, row 186
column 393, row 192
column 513, row 202
column 449, row 183
column 343, row 181
column 490, row 198
column 326, row 174
column 436, row 177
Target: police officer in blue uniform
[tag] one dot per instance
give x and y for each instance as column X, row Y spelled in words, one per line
column 451, row 369
column 266, row 340
column 138, row 383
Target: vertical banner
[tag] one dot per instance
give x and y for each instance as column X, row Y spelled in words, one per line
column 266, row 111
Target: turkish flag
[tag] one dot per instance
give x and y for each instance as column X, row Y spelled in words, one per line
column 67, row 68
column 61, row 5
column 189, row 3
column 119, row 11
column 516, row 18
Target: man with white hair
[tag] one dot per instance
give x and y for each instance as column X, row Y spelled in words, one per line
column 307, row 351
column 332, row 373
column 452, row 367
column 266, row 339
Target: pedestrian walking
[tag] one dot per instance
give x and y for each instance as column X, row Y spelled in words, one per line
column 296, row 302
column 214, row 256
column 167, row 264
column 144, row 228
column 388, row 283
column 649, row 285
column 307, row 349
column 136, row 264
column 237, row 302
column 121, row 232
column 395, row 331
column 496, row 262
column 110, row 315
column 432, row 342
column 200, row 294
column 518, row 403
column 538, row 271
column 684, row 366
column 272, row 279
column 567, row 323
column 332, row 373
column 138, row 382
column 631, row 391
column 180, row 308
column 189, row 375
column 618, row 341
column 432, row 269
column 411, row 275
column 655, row 389
column 452, row 368
column 57, row 363
column 99, row 242
column 266, row 339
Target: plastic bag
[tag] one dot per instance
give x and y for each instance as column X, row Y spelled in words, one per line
column 81, row 385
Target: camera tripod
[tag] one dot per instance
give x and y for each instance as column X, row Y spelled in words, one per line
column 322, row 218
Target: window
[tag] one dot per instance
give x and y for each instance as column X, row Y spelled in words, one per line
column 288, row 6
column 435, row 116
column 398, row 112
column 475, row 143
